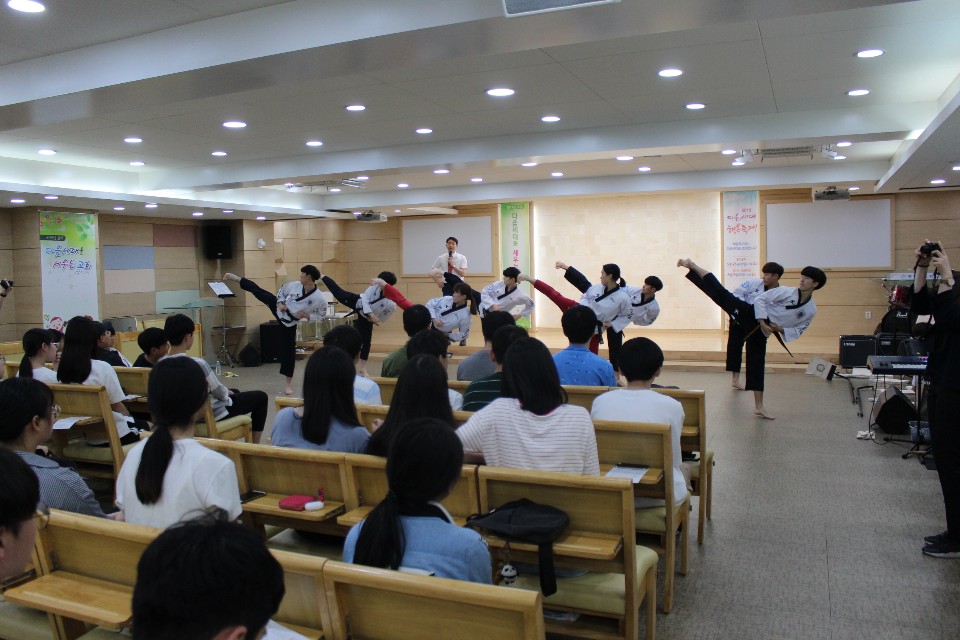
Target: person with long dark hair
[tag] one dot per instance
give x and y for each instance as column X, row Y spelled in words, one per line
column 410, row 528
column 170, row 475
column 327, row 421
column 421, row 393
column 19, row 495
column 39, row 349
column 77, row 366
column 27, row 414
column 531, row 426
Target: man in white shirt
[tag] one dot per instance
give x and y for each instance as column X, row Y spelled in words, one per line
column 450, row 262
column 736, row 336
column 505, row 295
column 365, row 390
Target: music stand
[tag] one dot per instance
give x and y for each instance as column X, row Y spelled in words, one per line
column 223, row 353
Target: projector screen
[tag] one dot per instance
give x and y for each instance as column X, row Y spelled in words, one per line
column 845, row 233
column 423, row 240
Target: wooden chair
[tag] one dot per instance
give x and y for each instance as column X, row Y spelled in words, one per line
column 10, row 368
column 134, row 380
column 600, row 539
column 89, row 402
column 583, row 395
column 231, row 428
column 368, row 413
column 304, row 605
column 650, row 445
column 374, row 604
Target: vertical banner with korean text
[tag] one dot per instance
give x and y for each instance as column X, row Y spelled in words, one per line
column 515, row 242
column 68, row 267
column 741, row 237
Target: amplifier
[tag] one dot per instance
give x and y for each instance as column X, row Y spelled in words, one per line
column 854, row 350
column 271, row 341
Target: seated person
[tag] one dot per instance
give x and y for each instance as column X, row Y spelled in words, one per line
column 206, row 578
column 365, row 390
column 410, row 528
column 531, row 426
column 19, row 497
column 27, row 414
column 421, row 393
column 479, row 364
column 39, row 349
column 485, row 390
column 170, row 475
column 327, row 421
column 224, row 402
column 641, row 361
column 576, row 364
column 435, row 344
column 415, row 319
column 105, row 346
column 154, row 344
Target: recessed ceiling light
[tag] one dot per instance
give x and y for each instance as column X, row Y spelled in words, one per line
column 234, row 124
column 26, row 6
column 843, row 144
column 870, row 53
column 334, row 189
column 424, row 131
column 550, row 119
column 396, row 210
column 670, row 73
column 738, row 163
column 557, row 174
column 261, row 218
column 441, row 171
column 728, row 152
column 476, row 179
column 858, row 92
column 119, row 208
column 694, row 106
column 643, row 169
column 51, row 197
column 362, row 178
column 528, row 164
column 47, row 152
column 197, row 214
column 228, row 210
column 956, row 167
column 500, row 92
column 839, row 157
column 937, row 181
column 853, row 188
column 355, row 107
column 150, row 205
column 137, row 163
column 314, row 143
column 624, row 158
column 133, row 140
column 17, row 200
column 402, row 185
column 219, row 154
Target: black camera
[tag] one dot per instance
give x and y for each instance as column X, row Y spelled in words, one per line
column 6, row 284
column 929, row 248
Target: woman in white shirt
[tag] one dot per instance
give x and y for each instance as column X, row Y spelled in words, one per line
column 170, row 476
column 451, row 314
column 39, row 349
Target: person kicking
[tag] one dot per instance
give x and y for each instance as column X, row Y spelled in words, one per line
column 748, row 292
column 787, row 311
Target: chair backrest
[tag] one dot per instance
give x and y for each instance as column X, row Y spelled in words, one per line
column 639, row 444
column 11, row 368
column 370, row 603
column 134, row 380
column 304, row 604
column 88, row 401
column 694, row 402
column 583, row 395
column 387, row 387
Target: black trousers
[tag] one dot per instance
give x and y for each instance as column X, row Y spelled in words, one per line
column 288, row 337
column 614, row 338
column 736, row 336
column 450, row 280
column 943, row 405
column 350, row 299
column 252, row 402
column 741, row 313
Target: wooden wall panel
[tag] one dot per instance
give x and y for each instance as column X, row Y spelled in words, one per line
column 125, row 233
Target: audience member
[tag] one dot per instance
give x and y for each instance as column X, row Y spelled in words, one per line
column 479, row 364
column 349, row 339
column 206, row 579
column 19, row 499
column 576, row 364
column 435, row 343
column 485, row 390
column 327, row 421
column 170, row 475
column 410, row 528
column 154, row 344
column 641, row 361
column 224, row 402
column 38, row 350
column 105, row 346
column 532, row 427
column 27, row 414
column 415, row 320
column 78, row 366
column 421, row 393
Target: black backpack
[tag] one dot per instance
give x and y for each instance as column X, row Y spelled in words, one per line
column 526, row 521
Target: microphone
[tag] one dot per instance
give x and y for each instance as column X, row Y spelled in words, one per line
column 450, row 254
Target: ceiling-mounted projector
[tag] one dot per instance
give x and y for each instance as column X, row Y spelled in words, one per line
column 831, row 193
column 371, row 216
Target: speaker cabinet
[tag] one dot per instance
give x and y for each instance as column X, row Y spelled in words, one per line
column 854, row 350
column 271, row 341
column 892, row 411
column 218, row 242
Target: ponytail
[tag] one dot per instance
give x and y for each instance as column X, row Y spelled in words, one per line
column 613, row 270
column 26, row 367
column 156, row 456
column 464, row 289
column 623, row 282
column 381, row 542
column 33, row 341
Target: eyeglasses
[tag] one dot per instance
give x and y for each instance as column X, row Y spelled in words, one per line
column 55, row 412
column 42, row 515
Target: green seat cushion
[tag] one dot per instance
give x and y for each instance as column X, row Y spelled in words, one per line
column 653, row 519
column 233, row 422
column 21, row 623
column 80, row 450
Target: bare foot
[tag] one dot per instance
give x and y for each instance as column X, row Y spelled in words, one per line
column 684, row 262
column 763, row 413
column 560, row 265
column 525, row 278
column 738, row 386
column 231, row 277
column 288, row 391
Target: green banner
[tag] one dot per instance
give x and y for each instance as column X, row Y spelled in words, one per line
column 68, row 267
column 515, row 242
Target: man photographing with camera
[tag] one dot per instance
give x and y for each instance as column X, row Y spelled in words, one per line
column 943, row 372
column 7, row 287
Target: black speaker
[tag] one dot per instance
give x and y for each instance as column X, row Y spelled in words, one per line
column 249, row 356
column 271, row 341
column 855, row 349
column 892, row 411
column 217, row 242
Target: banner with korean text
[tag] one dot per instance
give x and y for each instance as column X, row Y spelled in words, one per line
column 68, row 267
column 741, row 237
column 515, row 243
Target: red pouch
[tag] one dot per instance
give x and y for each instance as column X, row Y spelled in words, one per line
column 295, row 503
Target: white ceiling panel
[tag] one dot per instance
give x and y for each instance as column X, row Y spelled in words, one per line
column 227, row 7
column 464, row 66
column 921, row 85
column 573, row 115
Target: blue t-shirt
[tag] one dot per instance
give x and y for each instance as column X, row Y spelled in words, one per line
column 578, row 365
column 288, row 432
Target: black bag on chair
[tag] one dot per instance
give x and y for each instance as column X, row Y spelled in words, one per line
column 527, row 521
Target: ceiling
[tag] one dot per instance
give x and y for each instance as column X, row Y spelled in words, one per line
column 84, row 75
